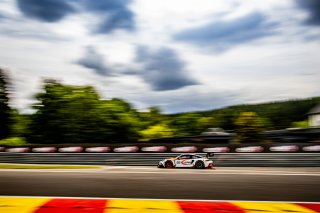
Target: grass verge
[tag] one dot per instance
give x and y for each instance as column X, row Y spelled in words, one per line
column 33, row 166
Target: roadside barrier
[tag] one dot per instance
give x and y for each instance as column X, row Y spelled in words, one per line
column 290, row 148
column 71, row 149
column 184, row 149
column 126, row 149
column 216, row 149
column 152, row 159
column 250, row 149
column 18, row 149
column 172, row 148
column 315, row 148
column 44, row 149
column 97, row 149
column 154, row 149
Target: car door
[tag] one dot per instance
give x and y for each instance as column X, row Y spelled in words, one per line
column 184, row 161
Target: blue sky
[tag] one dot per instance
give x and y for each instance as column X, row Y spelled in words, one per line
column 180, row 55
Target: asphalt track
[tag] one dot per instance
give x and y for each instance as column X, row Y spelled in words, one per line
column 267, row 184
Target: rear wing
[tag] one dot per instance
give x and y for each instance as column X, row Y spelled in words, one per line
column 209, row 154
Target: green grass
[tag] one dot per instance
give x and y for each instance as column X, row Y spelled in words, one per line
column 32, row 166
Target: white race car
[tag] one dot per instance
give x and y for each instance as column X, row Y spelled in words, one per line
column 187, row 161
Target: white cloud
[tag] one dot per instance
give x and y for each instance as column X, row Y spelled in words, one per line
column 278, row 66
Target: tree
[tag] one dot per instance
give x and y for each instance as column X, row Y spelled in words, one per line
column 155, row 114
column 206, row 122
column 64, row 114
column 225, row 119
column 152, row 117
column 186, row 124
column 156, row 131
column 300, row 124
column 20, row 123
column 249, row 127
column 121, row 120
column 5, row 110
column 75, row 114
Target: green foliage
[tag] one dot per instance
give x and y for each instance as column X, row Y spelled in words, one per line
column 152, row 117
column 63, row 114
column 206, row 122
column 155, row 115
column 156, row 131
column 280, row 115
column 74, row 114
column 186, row 124
column 277, row 115
column 5, row 111
column 300, row 124
column 225, row 119
column 20, row 124
column 119, row 119
column 248, row 127
column 13, row 141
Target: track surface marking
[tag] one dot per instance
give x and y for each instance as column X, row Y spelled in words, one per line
column 105, row 205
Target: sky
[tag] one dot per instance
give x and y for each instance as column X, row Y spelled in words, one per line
column 180, row 55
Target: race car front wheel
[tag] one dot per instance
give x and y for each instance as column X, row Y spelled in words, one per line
column 169, row 164
column 199, row 165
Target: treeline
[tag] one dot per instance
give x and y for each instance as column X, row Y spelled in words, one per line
column 77, row 114
column 276, row 115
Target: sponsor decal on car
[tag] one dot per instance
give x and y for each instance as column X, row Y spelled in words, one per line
column 185, row 162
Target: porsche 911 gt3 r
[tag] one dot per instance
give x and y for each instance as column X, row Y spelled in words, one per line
column 186, row 161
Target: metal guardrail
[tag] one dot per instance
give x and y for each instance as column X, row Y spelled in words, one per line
column 151, row 159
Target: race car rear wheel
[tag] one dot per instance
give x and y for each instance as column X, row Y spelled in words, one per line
column 169, row 164
column 199, row 165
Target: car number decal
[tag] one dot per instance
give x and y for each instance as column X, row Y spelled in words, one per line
column 185, row 162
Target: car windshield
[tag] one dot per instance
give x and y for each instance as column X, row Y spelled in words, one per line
column 184, row 156
column 189, row 156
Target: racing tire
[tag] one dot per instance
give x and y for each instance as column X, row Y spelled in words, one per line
column 199, row 165
column 169, row 164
